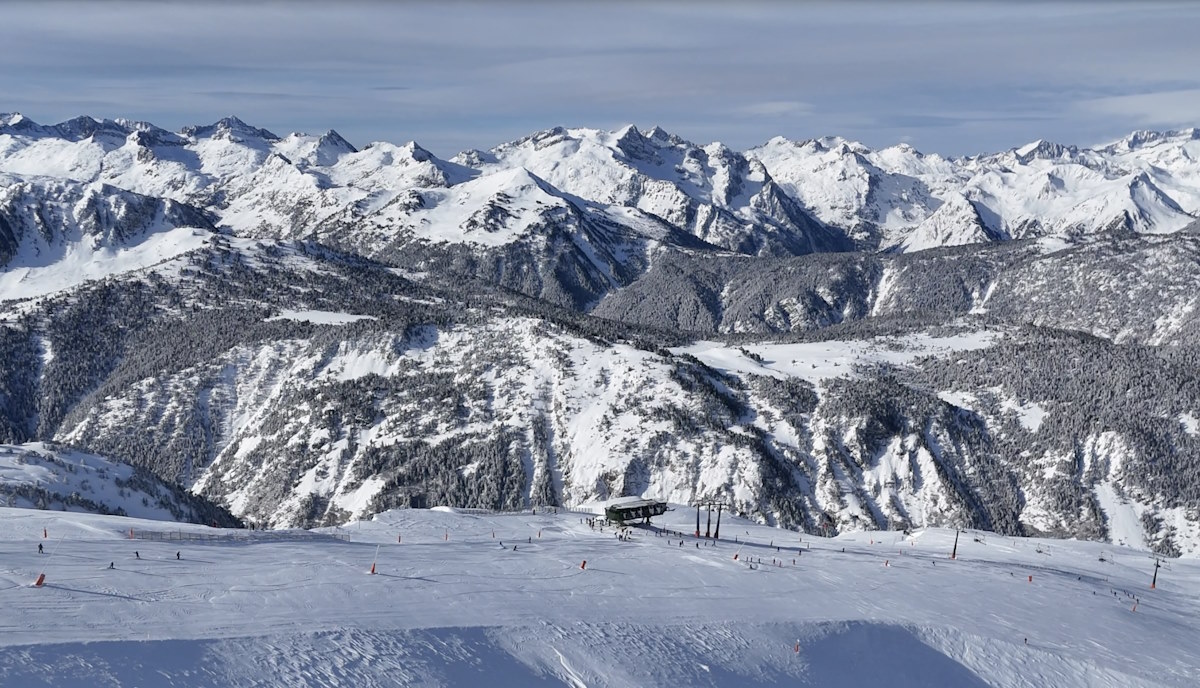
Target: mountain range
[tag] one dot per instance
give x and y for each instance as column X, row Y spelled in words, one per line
column 823, row 336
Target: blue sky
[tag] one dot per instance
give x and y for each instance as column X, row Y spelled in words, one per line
column 949, row 77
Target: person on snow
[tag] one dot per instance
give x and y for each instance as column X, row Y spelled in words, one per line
column 177, row 556
column 136, row 555
column 39, row 548
column 112, row 564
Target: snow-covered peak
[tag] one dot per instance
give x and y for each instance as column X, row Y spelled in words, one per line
column 388, row 167
column 16, row 122
column 658, row 133
column 320, row 151
column 1045, row 150
column 86, row 127
column 270, row 186
column 416, row 152
column 230, row 128
column 954, row 223
column 151, row 137
column 73, row 130
column 490, row 210
column 1143, row 138
column 635, row 146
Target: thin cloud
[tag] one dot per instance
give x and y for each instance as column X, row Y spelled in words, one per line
column 1161, row 108
column 775, row 108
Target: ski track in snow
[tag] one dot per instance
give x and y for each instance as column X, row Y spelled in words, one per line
column 452, row 606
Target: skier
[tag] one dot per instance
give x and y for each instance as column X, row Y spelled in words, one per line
column 136, row 555
column 112, row 564
column 39, row 548
column 177, row 556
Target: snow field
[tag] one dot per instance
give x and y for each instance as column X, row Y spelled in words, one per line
column 451, row 605
column 40, row 270
column 818, row 361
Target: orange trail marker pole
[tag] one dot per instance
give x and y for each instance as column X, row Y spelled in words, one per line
column 1031, row 579
column 375, row 560
column 583, row 566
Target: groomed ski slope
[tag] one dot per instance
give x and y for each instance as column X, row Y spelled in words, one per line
column 452, row 606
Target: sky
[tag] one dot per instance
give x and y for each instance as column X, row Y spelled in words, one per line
column 955, row 78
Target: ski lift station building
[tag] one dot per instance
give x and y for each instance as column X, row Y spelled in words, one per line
column 638, row 508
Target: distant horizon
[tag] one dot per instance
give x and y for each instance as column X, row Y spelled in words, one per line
column 951, row 78
column 282, row 133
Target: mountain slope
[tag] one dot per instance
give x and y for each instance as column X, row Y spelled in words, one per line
column 307, row 332
column 370, row 391
column 55, row 233
column 882, row 197
column 710, row 192
column 782, row 198
column 39, row 476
